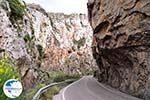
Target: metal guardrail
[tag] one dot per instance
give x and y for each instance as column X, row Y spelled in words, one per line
column 45, row 88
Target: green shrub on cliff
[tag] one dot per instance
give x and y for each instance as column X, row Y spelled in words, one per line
column 17, row 11
column 41, row 52
column 80, row 42
column 58, row 76
column 7, row 72
column 54, row 76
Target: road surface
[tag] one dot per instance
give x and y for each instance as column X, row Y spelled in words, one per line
column 87, row 88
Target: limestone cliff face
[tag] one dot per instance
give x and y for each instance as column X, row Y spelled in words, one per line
column 66, row 41
column 121, row 44
column 40, row 42
column 70, row 46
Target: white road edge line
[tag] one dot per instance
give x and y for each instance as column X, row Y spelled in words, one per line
column 63, row 93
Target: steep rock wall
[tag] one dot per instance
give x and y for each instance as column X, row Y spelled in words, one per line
column 66, row 41
column 70, row 46
column 40, row 42
column 121, row 44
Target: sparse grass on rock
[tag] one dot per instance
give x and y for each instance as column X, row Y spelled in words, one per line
column 54, row 76
column 17, row 12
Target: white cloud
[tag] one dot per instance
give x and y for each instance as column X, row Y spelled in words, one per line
column 65, row 6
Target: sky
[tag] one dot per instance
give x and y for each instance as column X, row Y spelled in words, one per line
column 65, row 6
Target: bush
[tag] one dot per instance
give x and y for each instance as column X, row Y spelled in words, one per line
column 40, row 50
column 80, row 42
column 7, row 72
column 17, row 11
column 57, row 76
column 27, row 38
column 61, row 76
column 31, row 92
column 54, row 76
column 51, row 92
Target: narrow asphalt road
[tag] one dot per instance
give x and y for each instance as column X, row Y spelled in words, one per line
column 87, row 88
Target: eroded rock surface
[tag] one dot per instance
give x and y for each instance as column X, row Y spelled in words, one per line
column 121, row 44
column 70, row 46
column 40, row 42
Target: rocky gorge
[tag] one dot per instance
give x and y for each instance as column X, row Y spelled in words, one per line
column 39, row 42
column 121, row 44
column 115, row 33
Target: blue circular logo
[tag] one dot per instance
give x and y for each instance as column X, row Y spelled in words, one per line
column 12, row 88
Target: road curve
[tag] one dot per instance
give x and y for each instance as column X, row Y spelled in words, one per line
column 87, row 88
